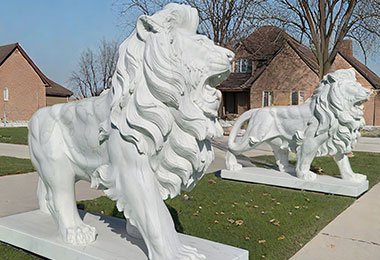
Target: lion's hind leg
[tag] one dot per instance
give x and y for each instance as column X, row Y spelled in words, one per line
column 231, row 162
column 282, row 159
column 56, row 194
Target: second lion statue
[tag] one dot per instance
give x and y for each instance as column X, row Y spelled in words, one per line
column 328, row 123
column 144, row 140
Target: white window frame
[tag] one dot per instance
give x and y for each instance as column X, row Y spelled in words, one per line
column 243, row 63
column 270, row 98
column 300, row 97
column 6, row 94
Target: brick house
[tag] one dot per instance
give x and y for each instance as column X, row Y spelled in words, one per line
column 24, row 88
column 272, row 68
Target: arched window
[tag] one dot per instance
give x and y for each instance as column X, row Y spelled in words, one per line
column 6, row 94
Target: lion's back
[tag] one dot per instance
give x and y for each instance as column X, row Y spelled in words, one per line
column 70, row 127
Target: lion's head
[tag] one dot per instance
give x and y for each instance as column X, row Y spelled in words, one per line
column 339, row 110
column 164, row 98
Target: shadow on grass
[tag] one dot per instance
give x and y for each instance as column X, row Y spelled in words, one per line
column 115, row 213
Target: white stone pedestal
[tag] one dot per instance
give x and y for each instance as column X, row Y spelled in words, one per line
column 323, row 183
column 36, row 232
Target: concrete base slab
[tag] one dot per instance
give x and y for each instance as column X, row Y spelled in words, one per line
column 323, row 183
column 36, row 232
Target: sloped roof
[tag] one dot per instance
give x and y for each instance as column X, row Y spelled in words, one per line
column 266, row 42
column 6, row 51
column 235, row 82
column 368, row 74
column 52, row 88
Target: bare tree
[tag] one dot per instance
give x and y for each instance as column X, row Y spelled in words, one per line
column 325, row 23
column 224, row 21
column 95, row 69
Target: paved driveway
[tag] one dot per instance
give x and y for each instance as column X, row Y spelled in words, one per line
column 19, row 193
column 14, row 150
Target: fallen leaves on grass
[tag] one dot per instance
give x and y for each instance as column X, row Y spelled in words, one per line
column 275, row 222
column 187, row 197
column 211, row 181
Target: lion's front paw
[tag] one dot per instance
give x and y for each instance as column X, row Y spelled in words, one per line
column 307, row 176
column 188, row 252
column 181, row 252
column 357, row 177
column 235, row 167
column 80, row 235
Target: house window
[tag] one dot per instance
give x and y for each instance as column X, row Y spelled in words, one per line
column 267, row 98
column 297, row 97
column 243, row 66
column 6, row 94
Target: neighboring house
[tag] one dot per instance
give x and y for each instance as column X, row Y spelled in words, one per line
column 23, row 87
column 271, row 69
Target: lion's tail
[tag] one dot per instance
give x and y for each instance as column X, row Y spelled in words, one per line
column 238, row 147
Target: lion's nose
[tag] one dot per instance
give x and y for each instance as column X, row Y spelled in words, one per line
column 230, row 55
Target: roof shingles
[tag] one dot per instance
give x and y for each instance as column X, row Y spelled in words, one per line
column 264, row 44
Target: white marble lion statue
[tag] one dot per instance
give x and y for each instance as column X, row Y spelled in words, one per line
column 328, row 123
column 144, row 140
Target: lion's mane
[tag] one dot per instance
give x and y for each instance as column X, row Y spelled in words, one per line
column 336, row 116
column 151, row 108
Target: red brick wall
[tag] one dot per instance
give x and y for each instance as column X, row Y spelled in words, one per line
column 377, row 110
column 286, row 73
column 56, row 100
column 26, row 89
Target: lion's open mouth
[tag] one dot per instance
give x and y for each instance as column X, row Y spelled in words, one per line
column 360, row 104
column 210, row 96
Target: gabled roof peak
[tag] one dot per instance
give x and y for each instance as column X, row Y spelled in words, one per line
column 53, row 88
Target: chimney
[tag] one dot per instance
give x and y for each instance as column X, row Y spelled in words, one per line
column 346, row 47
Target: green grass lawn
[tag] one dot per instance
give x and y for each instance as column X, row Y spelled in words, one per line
column 14, row 135
column 374, row 132
column 12, row 165
column 8, row 252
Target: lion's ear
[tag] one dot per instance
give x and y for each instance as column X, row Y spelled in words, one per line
column 352, row 73
column 145, row 26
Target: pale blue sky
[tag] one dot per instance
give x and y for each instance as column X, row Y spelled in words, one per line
column 55, row 32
